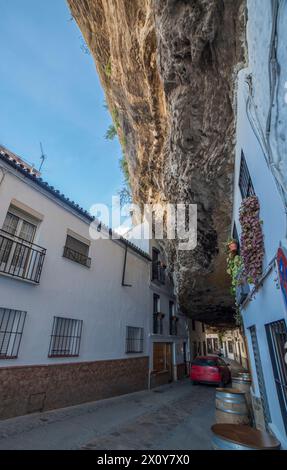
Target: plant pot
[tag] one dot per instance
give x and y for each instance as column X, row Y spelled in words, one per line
column 233, row 247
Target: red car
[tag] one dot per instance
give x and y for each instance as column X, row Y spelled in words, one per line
column 210, row 370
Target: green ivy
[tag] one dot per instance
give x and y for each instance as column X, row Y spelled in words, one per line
column 108, row 69
column 234, row 269
column 111, row 132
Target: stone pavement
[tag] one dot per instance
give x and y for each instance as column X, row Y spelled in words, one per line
column 175, row 416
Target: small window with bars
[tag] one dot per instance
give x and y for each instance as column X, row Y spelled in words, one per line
column 277, row 341
column 11, row 330
column 260, row 375
column 134, row 339
column 245, row 182
column 78, row 251
column 66, row 337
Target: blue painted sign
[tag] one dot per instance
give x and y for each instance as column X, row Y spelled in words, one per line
column 282, row 267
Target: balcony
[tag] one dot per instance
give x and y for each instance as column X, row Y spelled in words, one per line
column 158, row 323
column 173, row 326
column 80, row 258
column 20, row 259
column 158, row 272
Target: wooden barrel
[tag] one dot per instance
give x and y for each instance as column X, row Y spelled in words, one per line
column 245, row 375
column 243, row 383
column 231, row 406
column 241, row 437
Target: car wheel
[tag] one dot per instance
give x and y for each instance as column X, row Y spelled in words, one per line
column 194, row 383
column 221, row 384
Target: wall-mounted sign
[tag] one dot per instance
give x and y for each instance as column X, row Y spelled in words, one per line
column 282, row 268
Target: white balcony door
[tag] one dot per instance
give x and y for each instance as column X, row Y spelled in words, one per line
column 15, row 254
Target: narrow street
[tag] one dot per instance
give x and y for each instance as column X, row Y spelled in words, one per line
column 176, row 416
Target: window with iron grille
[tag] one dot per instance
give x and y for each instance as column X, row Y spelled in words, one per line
column 277, row 341
column 259, row 373
column 245, row 182
column 77, row 251
column 11, row 329
column 65, row 337
column 134, row 339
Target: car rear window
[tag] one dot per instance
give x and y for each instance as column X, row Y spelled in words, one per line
column 204, row 362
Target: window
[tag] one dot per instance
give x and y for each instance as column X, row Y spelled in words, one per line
column 158, row 269
column 259, row 373
column 134, row 339
column 157, row 316
column 11, row 329
column 204, row 348
column 15, row 225
column 230, row 347
column 77, row 251
column 172, row 319
column 66, row 337
column 245, row 183
column 205, row 362
column 203, row 327
column 209, row 345
column 277, row 341
column 19, row 256
column 193, row 325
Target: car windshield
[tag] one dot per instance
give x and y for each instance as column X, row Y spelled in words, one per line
column 200, row 361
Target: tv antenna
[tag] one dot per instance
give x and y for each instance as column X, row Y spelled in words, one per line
column 43, row 156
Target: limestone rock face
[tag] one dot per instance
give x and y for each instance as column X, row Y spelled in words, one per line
column 168, row 68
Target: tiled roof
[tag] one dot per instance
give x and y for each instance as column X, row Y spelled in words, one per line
column 26, row 171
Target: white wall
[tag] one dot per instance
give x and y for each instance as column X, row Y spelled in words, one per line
column 71, row 290
column 267, row 305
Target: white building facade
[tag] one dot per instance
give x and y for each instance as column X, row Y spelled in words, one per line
column 169, row 329
column 261, row 171
column 76, row 314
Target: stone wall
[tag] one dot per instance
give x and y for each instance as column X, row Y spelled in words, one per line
column 168, row 70
column 30, row 389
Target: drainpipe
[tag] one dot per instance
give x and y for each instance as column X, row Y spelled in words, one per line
column 2, row 175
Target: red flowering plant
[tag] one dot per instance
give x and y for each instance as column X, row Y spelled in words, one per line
column 252, row 244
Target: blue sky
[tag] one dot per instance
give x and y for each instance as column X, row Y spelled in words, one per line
column 50, row 92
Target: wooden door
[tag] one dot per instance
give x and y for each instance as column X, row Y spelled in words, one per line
column 168, row 350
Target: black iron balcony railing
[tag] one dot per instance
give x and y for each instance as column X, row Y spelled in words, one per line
column 173, row 326
column 158, row 272
column 77, row 257
column 20, row 258
column 158, row 323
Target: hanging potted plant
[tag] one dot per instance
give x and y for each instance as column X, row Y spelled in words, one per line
column 232, row 245
column 252, row 244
